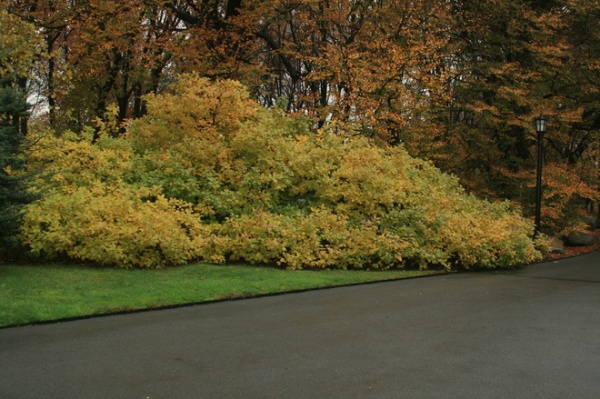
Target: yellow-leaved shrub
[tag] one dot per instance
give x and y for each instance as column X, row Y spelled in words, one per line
column 87, row 211
column 113, row 226
column 317, row 239
column 209, row 175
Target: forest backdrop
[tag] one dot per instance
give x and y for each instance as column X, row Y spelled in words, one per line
column 455, row 82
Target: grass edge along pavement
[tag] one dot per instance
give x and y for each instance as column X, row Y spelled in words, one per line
column 39, row 293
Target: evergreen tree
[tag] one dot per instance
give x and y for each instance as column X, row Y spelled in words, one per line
column 19, row 48
column 13, row 193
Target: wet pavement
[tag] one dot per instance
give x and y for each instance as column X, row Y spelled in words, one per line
column 530, row 333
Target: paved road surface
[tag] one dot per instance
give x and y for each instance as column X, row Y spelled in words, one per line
column 532, row 333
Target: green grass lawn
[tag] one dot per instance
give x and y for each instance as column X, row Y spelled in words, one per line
column 38, row 293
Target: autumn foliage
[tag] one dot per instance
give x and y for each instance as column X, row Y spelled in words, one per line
column 455, row 82
column 210, row 175
column 303, row 134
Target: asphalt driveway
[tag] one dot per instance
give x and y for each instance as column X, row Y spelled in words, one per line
column 531, row 333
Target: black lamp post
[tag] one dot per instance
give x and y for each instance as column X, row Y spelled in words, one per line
column 541, row 124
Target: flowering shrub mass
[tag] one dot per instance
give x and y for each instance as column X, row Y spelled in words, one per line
column 209, row 175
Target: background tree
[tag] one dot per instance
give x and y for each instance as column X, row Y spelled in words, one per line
column 119, row 52
column 379, row 65
column 99, row 54
column 519, row 59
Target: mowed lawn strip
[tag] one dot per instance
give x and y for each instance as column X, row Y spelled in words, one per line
column 40, row 293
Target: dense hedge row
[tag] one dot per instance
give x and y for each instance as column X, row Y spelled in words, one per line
column 208, row 175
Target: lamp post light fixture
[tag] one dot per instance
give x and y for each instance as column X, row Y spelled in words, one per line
column 541, row 124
